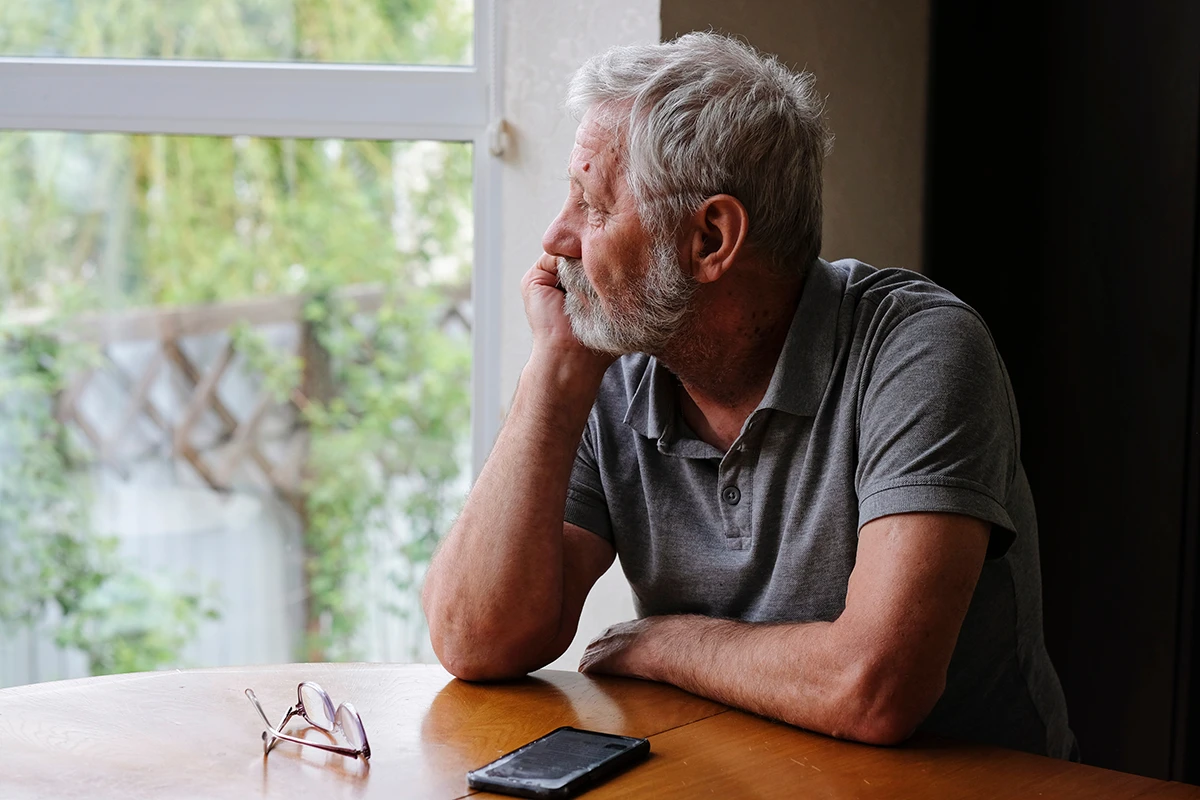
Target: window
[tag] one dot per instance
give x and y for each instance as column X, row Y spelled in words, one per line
column 320, row 31
column 247, row 346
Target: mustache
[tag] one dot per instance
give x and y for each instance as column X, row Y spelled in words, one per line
column 572, row 278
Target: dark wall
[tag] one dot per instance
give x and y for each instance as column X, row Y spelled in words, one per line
column 1062, row 203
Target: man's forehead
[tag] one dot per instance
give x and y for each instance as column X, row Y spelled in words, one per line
column 597, row 146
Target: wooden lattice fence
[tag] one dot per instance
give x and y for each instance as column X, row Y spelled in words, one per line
column 174, row 388
column 217, row 455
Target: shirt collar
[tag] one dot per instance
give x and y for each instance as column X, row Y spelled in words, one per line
column 804, row 365
column 798, row 382
column 652, row 408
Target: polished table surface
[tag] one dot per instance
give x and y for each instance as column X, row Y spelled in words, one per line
column 194, row 734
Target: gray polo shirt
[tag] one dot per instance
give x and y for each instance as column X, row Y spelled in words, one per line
column 889, row 397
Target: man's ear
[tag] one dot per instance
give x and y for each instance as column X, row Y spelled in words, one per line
column 716, row 237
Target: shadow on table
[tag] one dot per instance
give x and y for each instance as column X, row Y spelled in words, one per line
column 349, row 774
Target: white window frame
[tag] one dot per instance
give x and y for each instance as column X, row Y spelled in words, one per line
column 301, row 100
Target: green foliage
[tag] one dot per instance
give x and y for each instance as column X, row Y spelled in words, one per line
column 175, row 220
column 120, row 619
column 385, row 449
column 358, row 31
column 44, row 542
column 280, row 372
column 133, row 622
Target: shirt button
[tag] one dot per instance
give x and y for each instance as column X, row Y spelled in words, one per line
column 731, row 495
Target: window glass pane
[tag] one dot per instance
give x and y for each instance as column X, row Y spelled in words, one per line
column 234, row 397
column 346, row 31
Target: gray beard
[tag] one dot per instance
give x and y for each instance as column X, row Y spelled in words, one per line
column 656, row 316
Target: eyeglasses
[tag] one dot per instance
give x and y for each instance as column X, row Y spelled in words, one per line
column 314, row 705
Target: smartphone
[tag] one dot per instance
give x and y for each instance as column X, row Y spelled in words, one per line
column 563, row 763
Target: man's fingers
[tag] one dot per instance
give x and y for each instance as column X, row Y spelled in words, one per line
column 544, row 271
column 589, row 661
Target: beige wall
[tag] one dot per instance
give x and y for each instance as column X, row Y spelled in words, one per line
column 870, row 58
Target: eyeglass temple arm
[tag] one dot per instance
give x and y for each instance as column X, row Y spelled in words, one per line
column 275, row 736
column 291, row 712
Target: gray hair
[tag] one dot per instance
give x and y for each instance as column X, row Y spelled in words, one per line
column 709, row 115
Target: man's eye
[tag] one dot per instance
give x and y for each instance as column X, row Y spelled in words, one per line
column 594, row 215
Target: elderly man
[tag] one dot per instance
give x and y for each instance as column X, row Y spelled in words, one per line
column 810, row 470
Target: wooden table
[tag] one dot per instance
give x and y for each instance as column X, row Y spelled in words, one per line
column 194, row 734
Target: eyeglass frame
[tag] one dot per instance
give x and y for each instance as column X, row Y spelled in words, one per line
column 274, row 734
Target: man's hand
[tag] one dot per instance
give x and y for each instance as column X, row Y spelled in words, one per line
column 548, row 320
column 624, row 649
column 544, row 302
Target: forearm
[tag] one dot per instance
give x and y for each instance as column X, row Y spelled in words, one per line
column 812, row 675
column 494, row 592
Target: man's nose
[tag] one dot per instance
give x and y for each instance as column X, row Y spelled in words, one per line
column 559, row 240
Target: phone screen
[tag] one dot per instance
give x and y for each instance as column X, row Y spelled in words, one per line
column 562, row 763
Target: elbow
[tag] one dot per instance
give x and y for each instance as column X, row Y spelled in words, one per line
column 884, row 707
column 480, row 659
column 464, row 650
column 468, row 667
column 470, row 658
column 885, row 728
column 479, row 647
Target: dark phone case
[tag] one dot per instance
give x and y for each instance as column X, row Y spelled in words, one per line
column 563, row 763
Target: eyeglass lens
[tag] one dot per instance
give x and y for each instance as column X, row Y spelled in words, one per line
column 318, row 708
column 351, row 725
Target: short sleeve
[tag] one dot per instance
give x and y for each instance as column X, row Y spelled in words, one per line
column 937, row 424
column 586, row 503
